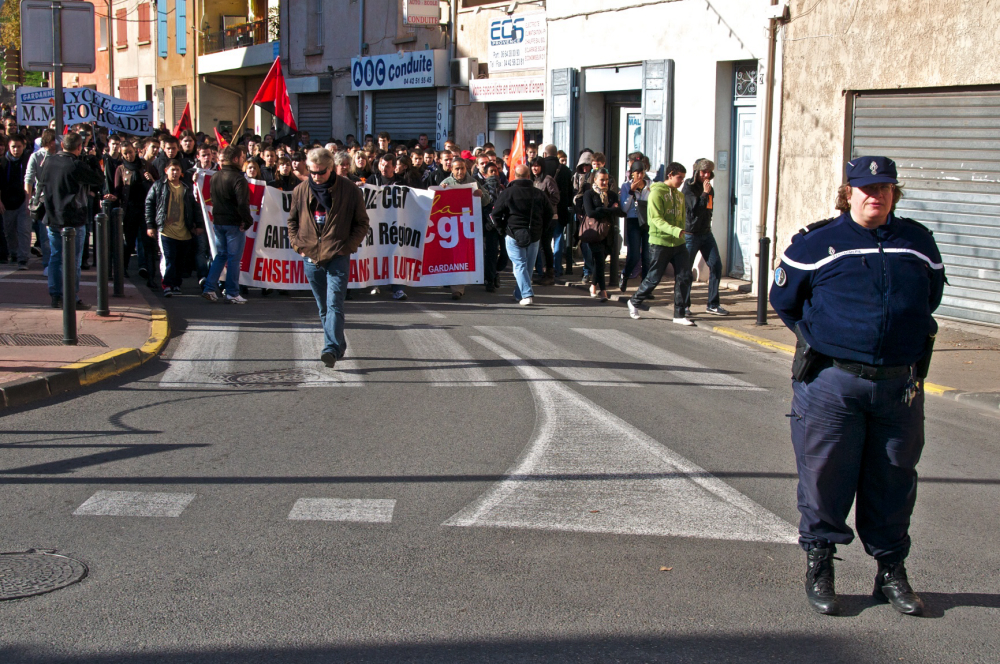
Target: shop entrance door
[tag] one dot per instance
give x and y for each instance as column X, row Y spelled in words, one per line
column 629, row 139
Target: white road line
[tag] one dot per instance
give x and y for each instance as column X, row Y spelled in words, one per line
column 308, row 342
column 674, row 364
column 429, row 312
column 204, row 349
column 556, row 358
column 587, row 470
column 454, row 365
column 135, row 503
column 342, row 509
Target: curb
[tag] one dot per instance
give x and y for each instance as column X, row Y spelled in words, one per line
column 988, row 400
column 88, row 372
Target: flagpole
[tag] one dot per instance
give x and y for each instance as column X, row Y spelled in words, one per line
column 238, row 129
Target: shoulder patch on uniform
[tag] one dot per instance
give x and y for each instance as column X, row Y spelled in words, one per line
column 780, row 277
column 818, row 224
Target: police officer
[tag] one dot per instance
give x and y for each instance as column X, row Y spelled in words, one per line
column 859, row 290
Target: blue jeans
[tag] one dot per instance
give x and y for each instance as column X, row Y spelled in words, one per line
column 42, row 233
column 557, row 249
column 522, row 258
column 588, row 259
column 329, row 286
column 705, row 243
column 638, row 247
column 229, row 242
column 172, row 252
column 56, row 260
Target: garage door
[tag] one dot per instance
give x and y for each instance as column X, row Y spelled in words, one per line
column 503, row 116
column 946, row 146
column 316, row 116
column 406, row 114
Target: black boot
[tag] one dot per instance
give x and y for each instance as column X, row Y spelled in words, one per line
column 891, row 585
column 819, row 582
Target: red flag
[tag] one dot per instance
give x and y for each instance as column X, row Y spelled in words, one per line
column 222, row 142
column 273, row 90
column 184, row 122
column 517, row 156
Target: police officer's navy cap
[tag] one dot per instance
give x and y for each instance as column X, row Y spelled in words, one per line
column 863, row 171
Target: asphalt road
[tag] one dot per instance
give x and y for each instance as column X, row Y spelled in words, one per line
column 477, row 482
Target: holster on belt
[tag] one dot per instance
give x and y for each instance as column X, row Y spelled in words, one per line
column 924, row 363
column 806, row 359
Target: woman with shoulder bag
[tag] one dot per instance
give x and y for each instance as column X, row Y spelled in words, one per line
column 602, row 213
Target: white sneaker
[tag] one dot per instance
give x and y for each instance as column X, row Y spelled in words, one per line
column 376, row 291
column 527, row 301
column 684, row 321
column 211, row 296
column 633, row 311
column 235, row 299
column 399, row 295
column 718, row 311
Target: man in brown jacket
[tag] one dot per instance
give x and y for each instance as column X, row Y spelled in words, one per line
column 327, row 223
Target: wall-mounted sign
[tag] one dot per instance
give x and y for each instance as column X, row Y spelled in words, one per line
column 417, row 69
column 510, row 88
column 421, row 12
column 518, row 42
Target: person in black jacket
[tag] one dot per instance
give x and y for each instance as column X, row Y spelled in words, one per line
column 14, row 201
column 174, row 216
column 601, row 204
column 129, row 193
column 284, row 180
column 699, row 200
column 231, row 219
column 65, row 180
column 564, row 183
column 520, row 212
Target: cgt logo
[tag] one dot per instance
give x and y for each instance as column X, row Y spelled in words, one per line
column 507, row 31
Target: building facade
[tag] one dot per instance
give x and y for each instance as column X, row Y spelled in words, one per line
column 913, row 82
column 134, row 43
column 176, row 60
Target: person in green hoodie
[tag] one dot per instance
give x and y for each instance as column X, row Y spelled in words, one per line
column 666, row 216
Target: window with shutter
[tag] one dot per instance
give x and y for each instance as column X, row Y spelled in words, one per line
column 121, row 24
column 143, row 18
column 128, row 89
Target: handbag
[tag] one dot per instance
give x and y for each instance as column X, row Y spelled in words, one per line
column 593, row 230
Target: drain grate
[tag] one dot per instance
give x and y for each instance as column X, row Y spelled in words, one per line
column 269, row 378
column 48, row 340
column 37, row 572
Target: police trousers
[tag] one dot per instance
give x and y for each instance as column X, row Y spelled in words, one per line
column 856, row 440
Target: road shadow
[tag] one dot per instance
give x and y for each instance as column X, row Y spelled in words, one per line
column 735, row 649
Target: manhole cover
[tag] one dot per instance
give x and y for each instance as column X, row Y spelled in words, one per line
column 37, row 572
column 269, row 378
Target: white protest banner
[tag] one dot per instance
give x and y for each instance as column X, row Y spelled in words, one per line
column 415, row 238
column 36, row 108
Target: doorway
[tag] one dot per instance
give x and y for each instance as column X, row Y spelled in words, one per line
column 629, row 139
column 744, row 149
column 618, row 106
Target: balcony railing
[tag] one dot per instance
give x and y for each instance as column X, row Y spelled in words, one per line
column 239, row 36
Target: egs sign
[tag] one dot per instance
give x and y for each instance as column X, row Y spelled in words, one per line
column 393, row 71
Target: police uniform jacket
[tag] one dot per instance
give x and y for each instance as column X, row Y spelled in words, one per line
column 861, row 295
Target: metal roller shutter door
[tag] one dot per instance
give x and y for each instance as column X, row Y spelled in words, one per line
column 946, row 146
column 406, row 114
column 315, row 116
column 504, row 115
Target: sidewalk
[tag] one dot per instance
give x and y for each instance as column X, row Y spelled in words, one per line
column 965, row 367
column 33, row 362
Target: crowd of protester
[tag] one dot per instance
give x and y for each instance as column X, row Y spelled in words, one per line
column 152, row 180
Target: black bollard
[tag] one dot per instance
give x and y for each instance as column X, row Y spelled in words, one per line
column 101, row 255
column 762, row 280
column 69, row 285
column 119, row 251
